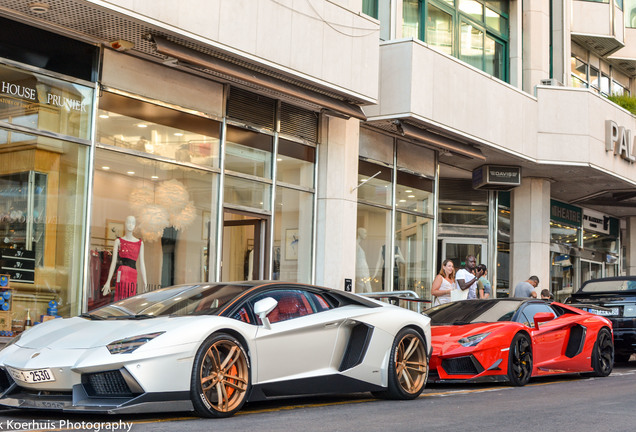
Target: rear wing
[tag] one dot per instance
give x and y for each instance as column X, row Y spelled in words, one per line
column 394, row 298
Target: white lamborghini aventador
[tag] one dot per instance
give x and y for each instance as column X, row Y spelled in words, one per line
column 212, row 347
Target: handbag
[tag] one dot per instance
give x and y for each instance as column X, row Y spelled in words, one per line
column 457, row 294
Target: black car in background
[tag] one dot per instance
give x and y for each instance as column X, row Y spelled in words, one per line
column 614, row 298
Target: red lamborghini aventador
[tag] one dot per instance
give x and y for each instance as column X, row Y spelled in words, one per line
column 515, row 339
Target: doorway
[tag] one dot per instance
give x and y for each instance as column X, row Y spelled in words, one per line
column 457, row 249
column 245, row 251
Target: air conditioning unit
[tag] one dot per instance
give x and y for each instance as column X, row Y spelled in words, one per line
column 551, row 82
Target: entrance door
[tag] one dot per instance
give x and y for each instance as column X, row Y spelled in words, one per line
column 457, row 249
column 591, row 270
column 244, row 247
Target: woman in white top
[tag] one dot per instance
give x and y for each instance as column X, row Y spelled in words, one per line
column 443, row 283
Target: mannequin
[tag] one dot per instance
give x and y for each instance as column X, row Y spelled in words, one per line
column 131, row 251
column 363, row 279
column 379, row 267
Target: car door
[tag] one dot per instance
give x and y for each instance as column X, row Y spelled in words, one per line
column 304, row 334
column 550, row 339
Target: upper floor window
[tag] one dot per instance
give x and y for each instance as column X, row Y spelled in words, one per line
column 630, row 13
column 475, row 31
column 370, row 7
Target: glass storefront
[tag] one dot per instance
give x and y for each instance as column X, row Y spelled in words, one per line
column 45, row 126
column 395, row 223
column 164, row 166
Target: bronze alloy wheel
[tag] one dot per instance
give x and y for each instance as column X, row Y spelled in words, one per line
column 224, row 376
column 411, row 364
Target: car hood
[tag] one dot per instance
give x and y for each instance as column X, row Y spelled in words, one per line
column 81, row 333
column 445, row 337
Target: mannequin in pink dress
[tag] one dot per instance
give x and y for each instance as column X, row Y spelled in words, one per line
column 130, row 251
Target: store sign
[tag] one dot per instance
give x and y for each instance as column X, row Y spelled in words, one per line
column 566, row 213
column 596, row 221
column 18, row 264
column 50, row 104
column 496, row 177
column 619, row 140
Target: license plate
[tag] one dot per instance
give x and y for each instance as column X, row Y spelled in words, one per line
column 32, row 376
column 612, row 311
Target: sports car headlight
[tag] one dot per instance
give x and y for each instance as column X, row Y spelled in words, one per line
column 128, row 345
column 473, row 340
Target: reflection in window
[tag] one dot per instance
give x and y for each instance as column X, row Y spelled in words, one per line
column 247, row 193
column 375, row 181
column 143, row 127
column 248, row 152
column 414, row 244
column 439, row 29
column 373, row 234
column 605, row 84
column 471, row 45
column 473, row 9
column 173, row 210
column 411, row 18
column 471, row 20
column 630, row 13
column 494, row 57
column 295, row 163
column 43, row 184
column 579, row 72
column 293, row 222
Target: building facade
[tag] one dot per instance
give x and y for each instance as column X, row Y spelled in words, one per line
column 352, row 144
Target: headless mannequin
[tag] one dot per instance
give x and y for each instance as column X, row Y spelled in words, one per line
column 133, row 259
column 379, row 267
column 363, row 279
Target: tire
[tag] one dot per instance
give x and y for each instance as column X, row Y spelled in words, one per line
column 220, row 379
column 520, row 360
column 408, row 367
column 603, row 354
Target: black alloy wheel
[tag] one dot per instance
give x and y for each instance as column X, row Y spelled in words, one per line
column 520, row 360
column 603, row 354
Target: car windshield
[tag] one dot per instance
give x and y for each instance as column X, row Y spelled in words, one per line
column 609, row 285
column 178, row 300
column 473, row 311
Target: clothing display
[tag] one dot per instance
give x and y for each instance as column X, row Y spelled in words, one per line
column 126, row 285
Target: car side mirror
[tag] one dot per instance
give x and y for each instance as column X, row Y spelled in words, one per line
column 264, row 307
column 542, row 317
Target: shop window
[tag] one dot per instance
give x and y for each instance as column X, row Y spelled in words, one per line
column 375, row 183
column 248, row 152
column 157, row 131
column 293, row 226
column 461, row 214
column 373, row 236
column 413, row 253
column 295, row 163
column 247, row 193
column 563, row 234
column 173, row 208
column 39, row 102
column 43, row 185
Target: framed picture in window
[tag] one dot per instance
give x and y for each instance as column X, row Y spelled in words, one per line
column 291, row 244
column 114, row 229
